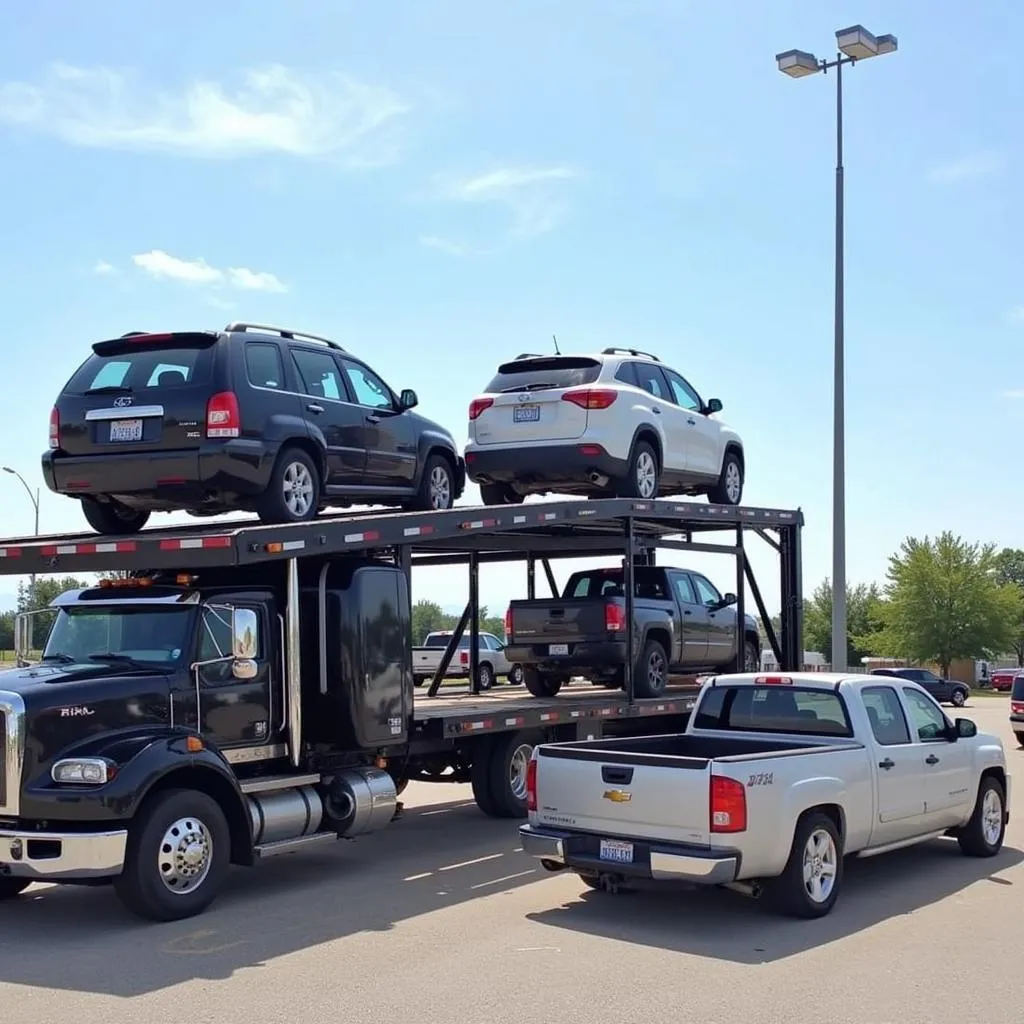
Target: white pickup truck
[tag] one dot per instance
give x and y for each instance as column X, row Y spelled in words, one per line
column 492, row 660
column 775, row 780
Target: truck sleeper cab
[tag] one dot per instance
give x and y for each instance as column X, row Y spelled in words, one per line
column 195, row 689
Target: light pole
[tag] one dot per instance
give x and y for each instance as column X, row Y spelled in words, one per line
column 34, row 498
column 854, row 44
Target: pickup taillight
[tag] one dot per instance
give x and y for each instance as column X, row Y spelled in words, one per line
column 1016, row 708
column 614, row 617
column 728, row 805
column 508, row 623
column 463, row 657
column 531, row 784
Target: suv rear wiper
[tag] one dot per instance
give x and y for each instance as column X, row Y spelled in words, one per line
column 526, row 387
column 109, row 389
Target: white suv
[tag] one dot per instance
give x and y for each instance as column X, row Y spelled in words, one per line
column 619, row 422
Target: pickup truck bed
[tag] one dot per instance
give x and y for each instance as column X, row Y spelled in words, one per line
column 774, row 781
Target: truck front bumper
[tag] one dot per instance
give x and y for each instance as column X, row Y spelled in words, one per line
column 62, row 856
column 661, row 862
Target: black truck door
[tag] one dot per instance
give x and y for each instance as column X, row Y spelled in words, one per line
column 233, row 712
column 693, row 619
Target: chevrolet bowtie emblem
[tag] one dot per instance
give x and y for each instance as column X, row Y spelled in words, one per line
column 618, row 796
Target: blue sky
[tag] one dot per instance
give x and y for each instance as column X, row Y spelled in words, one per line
column 441, row 185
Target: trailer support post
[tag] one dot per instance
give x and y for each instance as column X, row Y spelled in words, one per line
column 792, row 601
column 474, row 623
column 741, row 604
column 293, row 681
column 629, row 590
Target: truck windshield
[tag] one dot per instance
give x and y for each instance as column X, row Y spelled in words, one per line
column 150, row 635
column 786, row 709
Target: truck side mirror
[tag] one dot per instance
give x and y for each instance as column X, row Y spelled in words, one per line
column 408, row 399
column 965, row 728
column 727, row 599
column 245, row 636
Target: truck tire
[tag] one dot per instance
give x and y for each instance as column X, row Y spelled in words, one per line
column 437, row 487
column 643, row 478
column 540, row 685
column 293, row 491
column 983, row 835
column 650, row 674
column 12, row 887
column 515, row 675
column 419, row 680
column 750, row 660
column 503, row 773
column 729, row 488
column 499, row 494
column 1020, row 738
column 817, row 846
column 958, row 698
column 110, row 519
column 484, row 676
column 480, row 777
column 179, row 852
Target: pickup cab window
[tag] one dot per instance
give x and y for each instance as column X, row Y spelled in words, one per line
column 926, row 715
column 649, row 584
column 888, row 723
column 684, row 588
column 706, row 589
column 786, row 709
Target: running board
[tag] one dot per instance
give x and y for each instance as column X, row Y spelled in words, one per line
column 265, row 850
column 901, row 844
column 269, row 783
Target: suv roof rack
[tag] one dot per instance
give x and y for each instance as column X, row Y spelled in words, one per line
column 284, row 332
column 613, row 350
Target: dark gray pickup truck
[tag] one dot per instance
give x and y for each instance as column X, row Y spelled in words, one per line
column 682, row 626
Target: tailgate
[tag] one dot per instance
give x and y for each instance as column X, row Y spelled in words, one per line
column 558, row 620
column 139, row 393
column 624, row 795
column 529, row 416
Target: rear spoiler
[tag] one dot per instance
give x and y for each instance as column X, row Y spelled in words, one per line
column 133, row 339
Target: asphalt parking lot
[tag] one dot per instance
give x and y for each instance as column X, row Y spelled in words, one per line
column 440, row 919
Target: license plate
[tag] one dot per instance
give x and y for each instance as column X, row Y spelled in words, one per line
column 126, row 430
column 526, row 414
column 558, row 648
column 615, row 850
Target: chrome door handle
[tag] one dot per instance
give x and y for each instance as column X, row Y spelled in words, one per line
column 373, row 419
column 931, row 759
column 315, row 408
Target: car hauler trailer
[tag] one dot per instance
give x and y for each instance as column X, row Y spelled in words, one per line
column 246, row 690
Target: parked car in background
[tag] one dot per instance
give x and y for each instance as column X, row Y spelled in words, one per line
column 251, row 418
column 1017, row 707
column 945, row 691
column 617, row 422
column 492, row 659
column 1002, row 679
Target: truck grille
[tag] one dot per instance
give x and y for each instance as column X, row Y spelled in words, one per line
column 12, row 752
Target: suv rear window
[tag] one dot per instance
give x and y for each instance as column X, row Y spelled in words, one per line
column 546, row 371
column 139, row 369
column 1017, row 691
column 789, row 709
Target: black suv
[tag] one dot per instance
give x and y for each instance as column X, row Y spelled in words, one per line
column 251, row 418
column 945, row 691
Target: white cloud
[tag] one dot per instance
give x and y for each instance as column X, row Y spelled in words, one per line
column 447, row 245
column 103, row 267
column 531, row 195
column 978, row 165
column 163, row 266
column 273, row 110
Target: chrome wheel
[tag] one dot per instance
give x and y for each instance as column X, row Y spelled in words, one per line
column 185, row 856
column 733, row 482
column 517, row 770
column 992, row 817
column 959, row 698
column 515, row 675
column 656, row 671
column 297, row 484
column 485, row 677
column 440, row 486
column 820, row 865
column 646, row 475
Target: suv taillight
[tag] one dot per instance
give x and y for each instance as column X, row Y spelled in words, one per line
column 222, row 419
column 479, row 405
column 614, row 617
column 508, row 623
column 54, row 428
column 728, row 800
column 591, row 398
column 531, row 784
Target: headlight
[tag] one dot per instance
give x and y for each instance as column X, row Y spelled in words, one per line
column 83, row 771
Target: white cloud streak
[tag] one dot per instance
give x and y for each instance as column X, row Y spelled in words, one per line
column 102, row 267
column 532, row 196
column 162, row 266
column 272, row 110
column 977, row 165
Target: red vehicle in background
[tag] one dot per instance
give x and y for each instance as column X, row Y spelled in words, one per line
column 1002, row 678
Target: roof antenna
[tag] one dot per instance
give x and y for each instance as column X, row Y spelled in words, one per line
column 555, row 340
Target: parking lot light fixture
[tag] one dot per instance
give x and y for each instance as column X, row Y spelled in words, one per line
column 798, row 63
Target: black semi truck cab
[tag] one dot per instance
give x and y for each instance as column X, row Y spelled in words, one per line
column 160, row 698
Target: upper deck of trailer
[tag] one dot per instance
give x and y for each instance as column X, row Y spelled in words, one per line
column 490, row 528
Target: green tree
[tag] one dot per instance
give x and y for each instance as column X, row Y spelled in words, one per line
column 32, row 596
column 7, row 631
column 945, row 601
column 427, row 617
column 1010, row 572
column 863, row 617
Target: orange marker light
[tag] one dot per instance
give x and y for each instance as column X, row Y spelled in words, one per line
column 193, row 744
